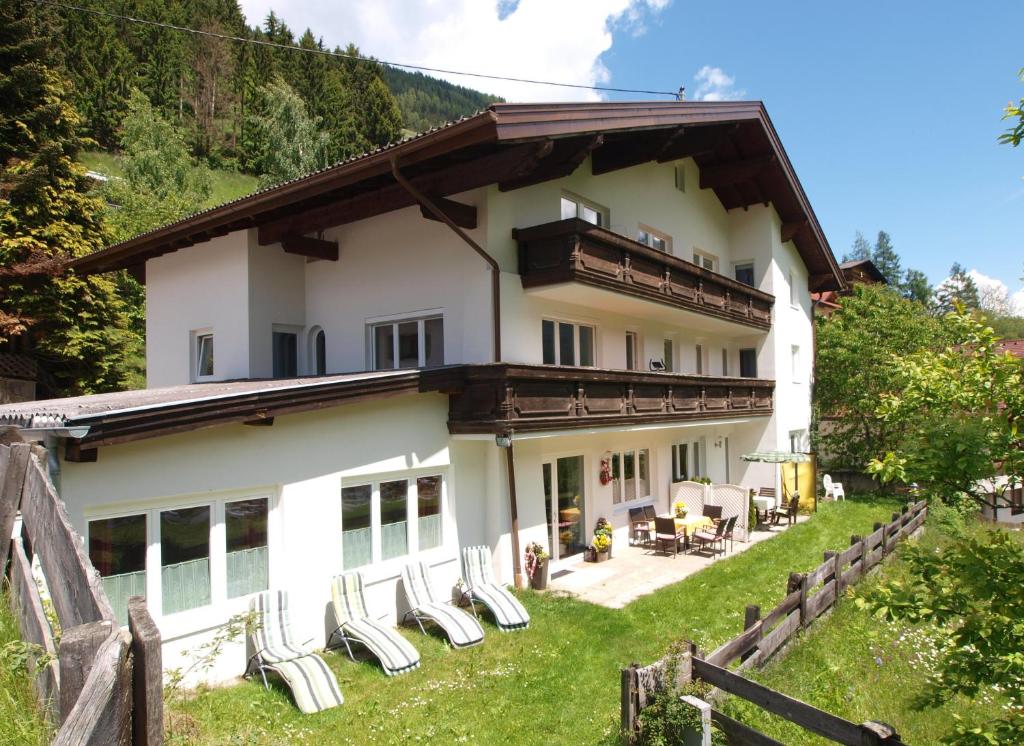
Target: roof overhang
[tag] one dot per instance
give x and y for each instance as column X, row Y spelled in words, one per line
column 734, row 144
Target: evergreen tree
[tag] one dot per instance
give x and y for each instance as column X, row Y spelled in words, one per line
column 290, row 142
column 860, row 250
column 959, row 287
column 887, row 261
column 916, row 287
column 77, row 327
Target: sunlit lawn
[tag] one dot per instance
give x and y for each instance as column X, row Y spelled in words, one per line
column 557, row 682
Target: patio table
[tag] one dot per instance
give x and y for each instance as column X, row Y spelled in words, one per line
column 764, row 504
column 690, row 524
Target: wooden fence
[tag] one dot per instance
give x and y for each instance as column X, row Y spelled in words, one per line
column 98, row 683
column 808, row 596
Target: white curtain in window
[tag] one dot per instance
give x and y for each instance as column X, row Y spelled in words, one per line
column 248, row 571
column 357, row 547
column 120, row 588
column 186, row 585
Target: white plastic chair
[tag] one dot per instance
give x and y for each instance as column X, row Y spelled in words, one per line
column 833, row 489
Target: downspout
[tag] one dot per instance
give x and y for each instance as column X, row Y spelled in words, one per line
column 428, row 204
column 513, row 507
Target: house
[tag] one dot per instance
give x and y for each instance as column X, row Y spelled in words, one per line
column 855, row 272
column 495, row 332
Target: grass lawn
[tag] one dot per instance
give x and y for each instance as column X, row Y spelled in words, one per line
column 226, row 185
column 557, row 682
column 21, row 721
column 862, row 668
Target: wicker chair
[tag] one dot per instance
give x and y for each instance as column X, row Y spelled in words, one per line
column 665, row 532
column 709, row 539
column 639, row 526
column 730, row 525
column 714, row 512
column 787, row 510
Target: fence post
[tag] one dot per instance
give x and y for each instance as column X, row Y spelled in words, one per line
column 15, row 468
column 751, row 617
column 76, row 654
column 147, row 676
column 798, row 582
column 628, row 703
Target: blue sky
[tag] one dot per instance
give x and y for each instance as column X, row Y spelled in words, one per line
column 889, row 111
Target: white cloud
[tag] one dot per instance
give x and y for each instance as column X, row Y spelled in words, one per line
column 537, row 39
column 714, row 84
column 994, row 294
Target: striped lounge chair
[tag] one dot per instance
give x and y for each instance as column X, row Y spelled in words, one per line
column 395, row 653
column 508, row 613
column 272, row 648
column 425, row 604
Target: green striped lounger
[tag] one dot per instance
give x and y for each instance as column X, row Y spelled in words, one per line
column 274, row 649
column 462, row 629
column 395, row 653
column 508, row 613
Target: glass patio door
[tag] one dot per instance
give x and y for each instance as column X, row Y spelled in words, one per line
column 564, row 502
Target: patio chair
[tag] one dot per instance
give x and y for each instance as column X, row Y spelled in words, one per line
column 395, row 653
column 730, row 526
column 714, row 512
column 771, row 494
column 425, row 604
column 709, row 539
column 639, row 525
column 833, row 489
column 665, row 532
column 508, row 613
column 272, row 648
column 787, row 510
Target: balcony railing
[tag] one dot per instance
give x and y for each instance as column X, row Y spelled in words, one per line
column 576, row 251
column 499, row 397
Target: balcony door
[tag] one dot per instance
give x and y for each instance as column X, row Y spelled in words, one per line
column 565, row 506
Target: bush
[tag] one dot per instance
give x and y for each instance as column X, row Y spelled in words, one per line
column 667, row 719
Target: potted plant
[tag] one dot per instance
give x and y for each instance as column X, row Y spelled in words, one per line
column 680, row 510
column 604, row 528
column 602, row 544
column 537, row 566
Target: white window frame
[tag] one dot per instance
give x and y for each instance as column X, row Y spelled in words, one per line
column 645, row 234
column 420, row 318
column 190, row 619
column 796, row 361
column 680, row 450
column 700, row 257
column 618, row 457
column 581, row 202
column 794, row 299
column 412, row 520
column 196, row 335
column 575, row 341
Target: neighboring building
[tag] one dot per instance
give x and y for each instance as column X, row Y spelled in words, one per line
column 18, row 375
column 855, row 272
column 335, row 370
column 1014, row 346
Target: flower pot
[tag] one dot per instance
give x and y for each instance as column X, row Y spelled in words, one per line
column 602, row 556
column 589, row 555
column 539, row 581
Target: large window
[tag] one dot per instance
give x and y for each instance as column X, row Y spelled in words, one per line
column 202, row 355
column 633, row 352
column 655, row 239
column 407, row 343
column 748, row 363
column 577, row 207
column 745, row 273
column 688, row 460
column 631, row 475
column 188, row 543
column 670, row 354
column 391, row 518
column 117, row 549
column 286, row 354
column 565, row 343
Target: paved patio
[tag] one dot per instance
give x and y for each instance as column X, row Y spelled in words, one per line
column 635, row 571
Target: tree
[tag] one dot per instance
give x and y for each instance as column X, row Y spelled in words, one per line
column 1015, row 134
column 856, row 349
column 289, row 142
column 960, row 410
column 887, row 261
column 77, row 327
column 161, row 181
column 916, row 287
column 958, row 288
column 860, row 251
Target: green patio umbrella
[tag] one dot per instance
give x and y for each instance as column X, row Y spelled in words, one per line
column 780, row 457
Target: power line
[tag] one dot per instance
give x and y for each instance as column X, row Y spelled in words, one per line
column 342, row 55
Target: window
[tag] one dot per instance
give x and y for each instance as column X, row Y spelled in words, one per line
column 745, row 273
column 185, row 558
column 565, row 343
column 654, row 239
column 707, row 261
column 630, row 475
column 680, row 472
column 285, row 352
column 698, row 454
column 117, row 549
column 748, row 363
column 796, row 441
column 680, row 177
column 700, row 359
column 317, row 351
column 632, row 351
column 795, row 353
column 725, row 362
column 203, row 354
column 670, row 354
column 248, row 560
column 413, row 343
column 792, row 290
column 390, row 519
column 577, row 207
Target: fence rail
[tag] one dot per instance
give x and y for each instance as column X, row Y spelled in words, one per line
column 89, row 677
column 808, row 596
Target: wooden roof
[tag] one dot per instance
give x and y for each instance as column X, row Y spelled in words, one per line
column 733, row 143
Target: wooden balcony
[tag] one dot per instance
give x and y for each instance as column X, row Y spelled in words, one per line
column 498, row 397
column 576, row 251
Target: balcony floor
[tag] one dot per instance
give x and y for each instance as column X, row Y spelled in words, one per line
column 635, row 571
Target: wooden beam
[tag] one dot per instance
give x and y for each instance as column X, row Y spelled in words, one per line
column 314, row 248
column 633, row 151
column 462, row 215
column 138, row 271
column 560, row 167
column 714, row 176
column 696, row 141
column 789, row 230
column 530, row 163
column 74, row 452
column 819, row 282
